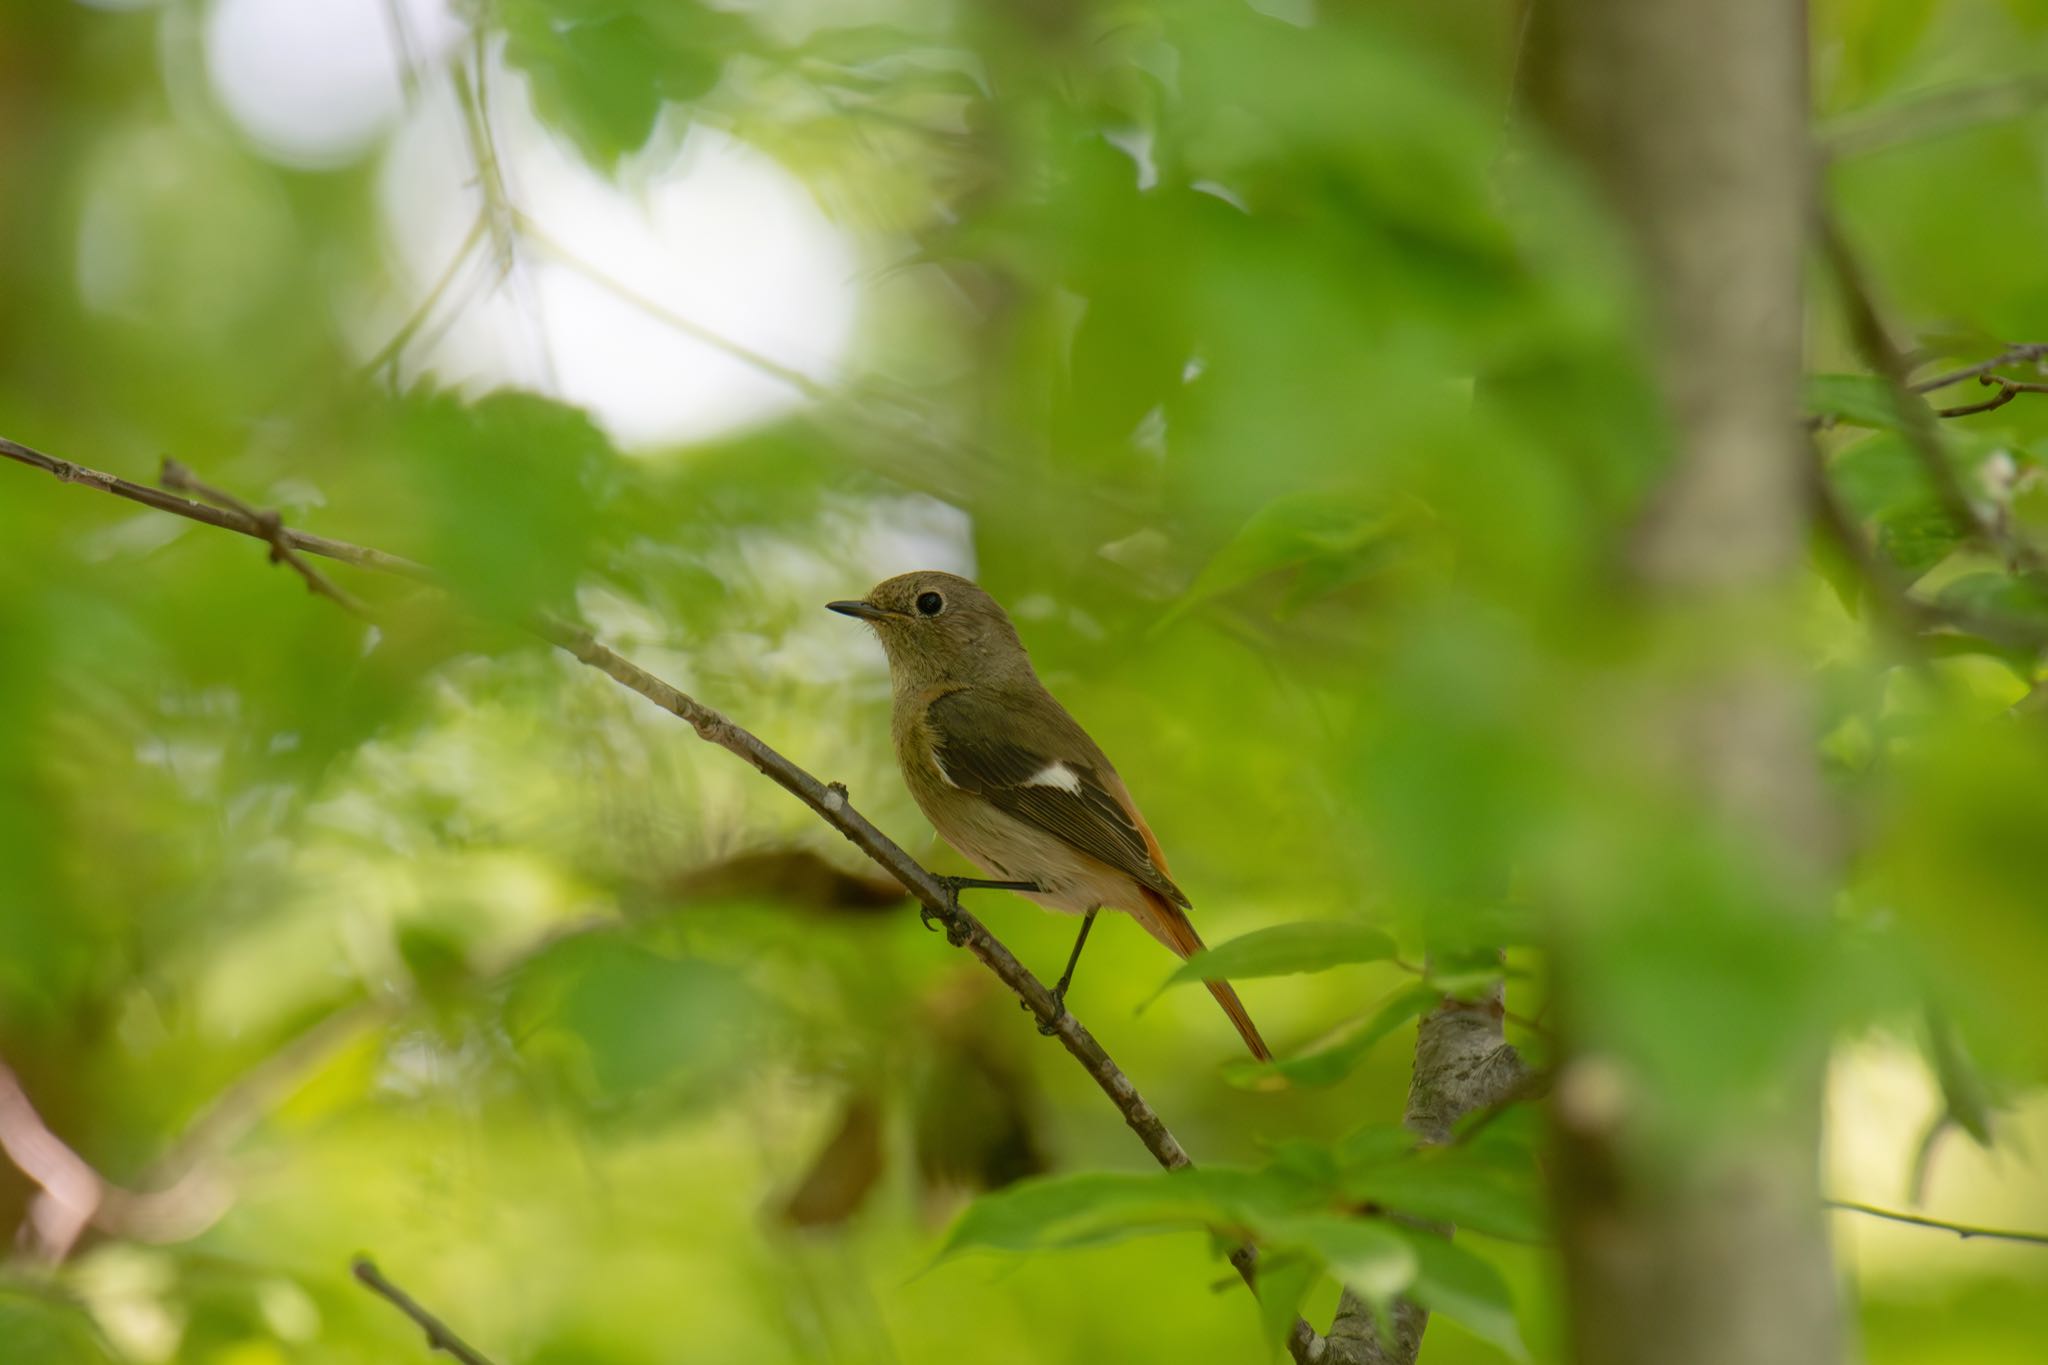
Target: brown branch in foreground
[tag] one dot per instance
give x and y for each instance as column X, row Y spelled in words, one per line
column 827, row 800
column 439, row 1336
column 1963, row 1230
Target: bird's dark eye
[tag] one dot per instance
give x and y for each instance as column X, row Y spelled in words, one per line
column 930, row 603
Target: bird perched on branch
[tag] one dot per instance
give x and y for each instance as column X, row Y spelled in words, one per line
column 1011, row 780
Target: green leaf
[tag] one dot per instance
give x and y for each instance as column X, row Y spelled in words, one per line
column 620, row 1028
column 600, row 70
column 1997, row 595
column 1285, row 950
column 1283, row 1282
column 1095, row 1207
column 45, row 1329
column 1918, row 537
column 1963, row 1090
column 1860, row 398
column 1440, row 1186
column 1375, row 1145
column 509, row 487
column 1365, row 1255
column 1329, row 539
column 1880, row 475
column 1452, row 1281
column 1333, row 1061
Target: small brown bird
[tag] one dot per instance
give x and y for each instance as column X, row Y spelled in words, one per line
column 1010, row 779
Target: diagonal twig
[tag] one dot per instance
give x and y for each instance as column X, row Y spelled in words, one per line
column 829, row 801
column 2008, row 389
column 282, row 551
column 440, row 1337
column 1963, row 1230
column 2020, row 353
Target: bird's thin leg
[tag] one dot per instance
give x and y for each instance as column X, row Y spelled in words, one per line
column 955, row 885
column 1059, row 992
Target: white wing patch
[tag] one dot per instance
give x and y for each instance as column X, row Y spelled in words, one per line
column 940, row 764
column 1055, row 774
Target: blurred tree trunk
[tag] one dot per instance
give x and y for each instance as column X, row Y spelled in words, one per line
column 1708, row 1244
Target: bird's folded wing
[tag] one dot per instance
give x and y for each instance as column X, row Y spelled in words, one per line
column 1063, row 788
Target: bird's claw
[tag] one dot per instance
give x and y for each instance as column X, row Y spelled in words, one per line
column 951, row 919
column 1048, row 1027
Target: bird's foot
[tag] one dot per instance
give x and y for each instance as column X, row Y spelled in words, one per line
column 949, row 919
column 1048, row 1027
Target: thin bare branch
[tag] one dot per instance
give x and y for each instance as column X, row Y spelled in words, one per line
column 282, row 551
column 1963, row 1230
column 440, row 1337
column 2020, row 353
column 360, row 556
column 2008, row 389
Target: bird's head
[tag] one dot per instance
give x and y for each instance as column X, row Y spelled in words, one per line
column 939, row 627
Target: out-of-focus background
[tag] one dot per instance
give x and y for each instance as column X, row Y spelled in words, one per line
column 1278, row 379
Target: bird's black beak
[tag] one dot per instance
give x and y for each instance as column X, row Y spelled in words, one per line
column 866, row 611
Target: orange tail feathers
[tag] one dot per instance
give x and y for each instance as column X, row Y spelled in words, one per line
column 1170, row 926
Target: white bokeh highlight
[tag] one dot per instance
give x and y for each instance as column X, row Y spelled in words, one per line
column 701, row 260
column 315, row 83
column 698, row 291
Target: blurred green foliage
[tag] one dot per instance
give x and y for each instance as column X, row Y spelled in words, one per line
column 1294, row 400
